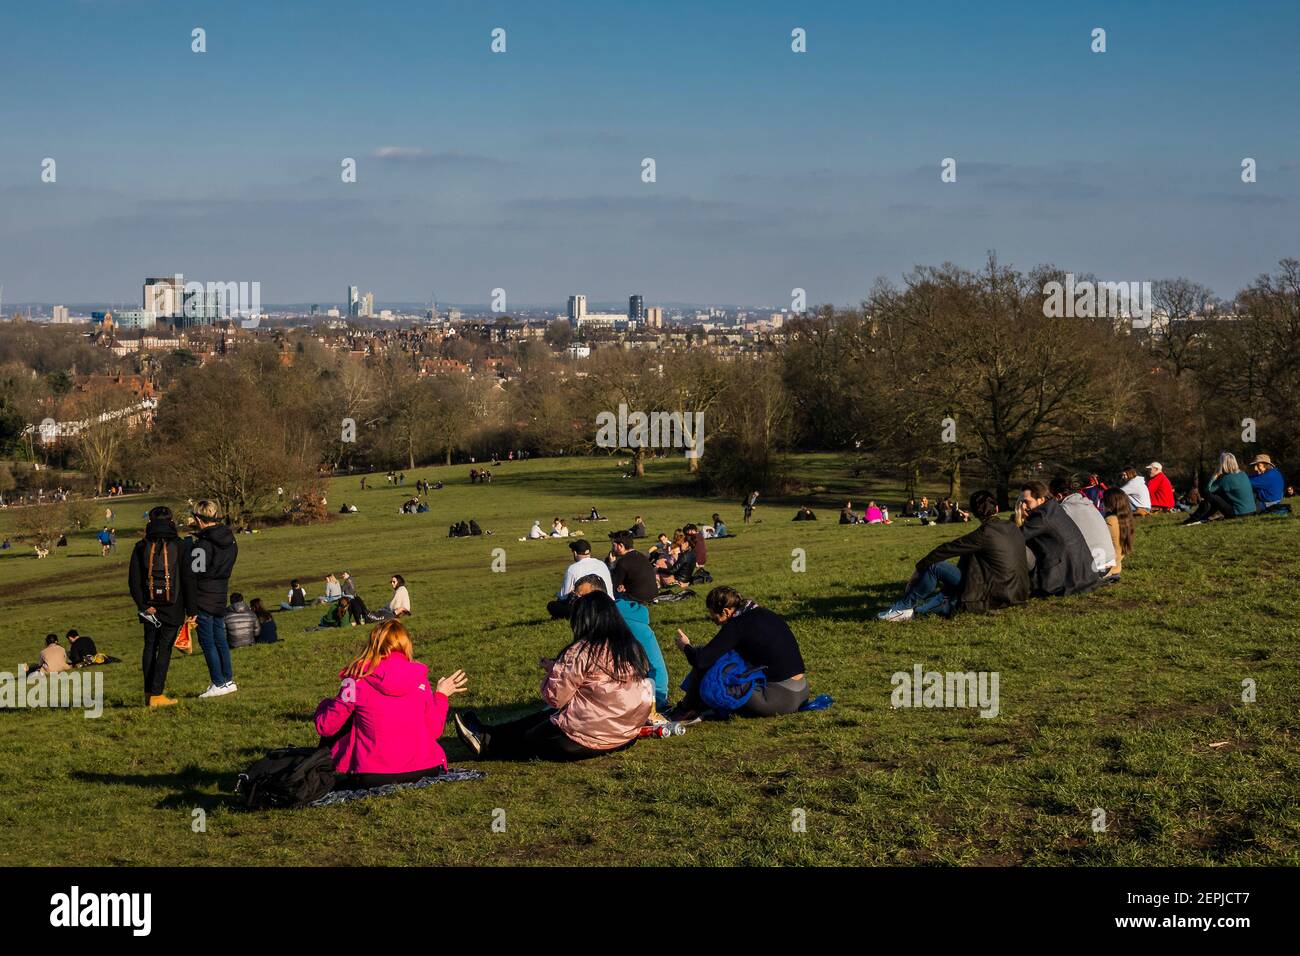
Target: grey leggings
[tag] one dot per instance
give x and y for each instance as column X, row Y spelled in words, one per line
column 781, row 697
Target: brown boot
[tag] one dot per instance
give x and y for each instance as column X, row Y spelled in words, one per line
column 161, row 700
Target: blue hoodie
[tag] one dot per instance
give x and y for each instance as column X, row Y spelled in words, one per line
column 637, row 617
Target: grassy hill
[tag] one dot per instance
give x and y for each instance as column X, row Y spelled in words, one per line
column 1128, row 700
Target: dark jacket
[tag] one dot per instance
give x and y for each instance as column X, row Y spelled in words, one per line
column 759, row 636
column 1062, row 562
column 81, row 650
column 638, row 530
column 994, row 572
column 164, row 585
column 637, row 576
column 208, row 587
column 266, row 633
column 241, row 625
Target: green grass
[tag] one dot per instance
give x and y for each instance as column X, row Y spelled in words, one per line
column 1108, row 701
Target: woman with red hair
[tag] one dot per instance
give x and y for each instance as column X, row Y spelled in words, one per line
column 384, row 724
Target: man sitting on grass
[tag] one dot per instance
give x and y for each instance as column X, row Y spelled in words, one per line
column 633, row 576
column 991, row 570
column 580, row 566
column 1063, row 564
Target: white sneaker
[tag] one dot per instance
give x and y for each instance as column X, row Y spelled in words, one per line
column 212, row 691
column 904, row 614
column 228, row 688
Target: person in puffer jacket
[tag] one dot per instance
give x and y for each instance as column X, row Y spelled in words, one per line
column 384, row 724
column 241, row 622
column 597, row 692
column 211, row 555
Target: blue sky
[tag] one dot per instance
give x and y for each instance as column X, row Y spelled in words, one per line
column 522, row 170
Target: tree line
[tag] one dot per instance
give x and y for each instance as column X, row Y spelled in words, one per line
column 951, row 373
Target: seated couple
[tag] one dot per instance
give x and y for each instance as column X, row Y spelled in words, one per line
column 1231, row 493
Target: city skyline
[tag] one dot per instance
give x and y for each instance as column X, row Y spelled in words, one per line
column 523, row 170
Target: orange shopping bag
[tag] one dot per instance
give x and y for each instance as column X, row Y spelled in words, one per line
column 185, row 637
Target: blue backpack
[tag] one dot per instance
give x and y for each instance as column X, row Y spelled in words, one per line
column 729, row 683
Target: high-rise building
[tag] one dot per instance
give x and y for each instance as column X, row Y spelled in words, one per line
column 164, row 296
column 368, row 304
column 654, row 317
column 577, row 308
column 352, row 300
column 59, row 314
column 636, row 309
column 135, row 319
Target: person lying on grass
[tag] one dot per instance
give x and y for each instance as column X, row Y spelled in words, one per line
column 763, row 640
column 597, row 692
column 991, row 570
column 383, row 725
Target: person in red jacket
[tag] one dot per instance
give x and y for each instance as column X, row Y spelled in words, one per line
column 1160, row 488
column 383, row 726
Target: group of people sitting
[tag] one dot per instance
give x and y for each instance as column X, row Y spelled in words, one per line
column 872, row 514
column 1058, row 542
column 598, row 693
column 1229, row 493
column 480, row 476
column 1066, row 541
column 943, row 511
column 558, row 530
column 414, row 506
column 55, row 659
column 252, row 623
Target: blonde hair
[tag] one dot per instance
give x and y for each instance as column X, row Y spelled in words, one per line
column 1228, row 463
column 386, row 638
column 207, row 510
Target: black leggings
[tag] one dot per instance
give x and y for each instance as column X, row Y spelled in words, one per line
column 1213, row 503
column 536, row 736
column 364, row 781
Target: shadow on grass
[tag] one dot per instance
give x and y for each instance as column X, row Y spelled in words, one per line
column 186, row 783
column 853, row 607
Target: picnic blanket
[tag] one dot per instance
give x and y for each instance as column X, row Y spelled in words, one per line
column 453, row 775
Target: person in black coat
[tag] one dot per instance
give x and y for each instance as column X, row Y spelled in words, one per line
column 211, row 554
column 159, row 579
column 1063, row 564
column 991, row 570
column 763, row 640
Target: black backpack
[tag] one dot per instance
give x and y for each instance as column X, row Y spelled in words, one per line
column 474, row 529
column 289, row 777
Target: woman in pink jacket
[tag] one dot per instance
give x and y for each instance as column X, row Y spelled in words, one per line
column 597, row 690
column 383, row 726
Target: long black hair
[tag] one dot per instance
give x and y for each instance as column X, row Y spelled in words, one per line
column 598, row 625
